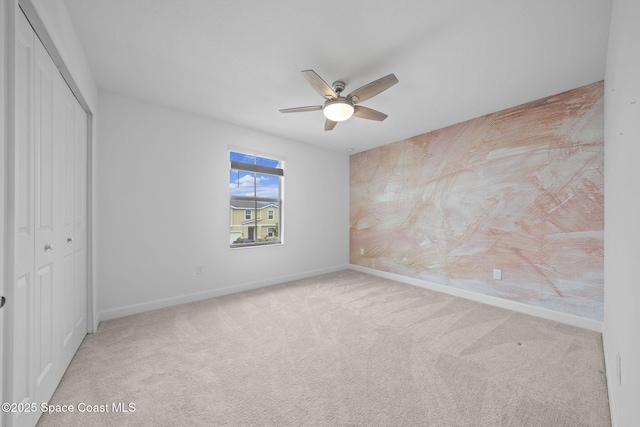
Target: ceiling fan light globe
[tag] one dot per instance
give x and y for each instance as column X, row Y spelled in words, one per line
column 338, row 110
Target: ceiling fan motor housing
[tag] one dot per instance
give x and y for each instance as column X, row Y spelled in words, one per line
column 338, row 86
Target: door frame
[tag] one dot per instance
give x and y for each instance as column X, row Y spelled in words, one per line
column 5, row 112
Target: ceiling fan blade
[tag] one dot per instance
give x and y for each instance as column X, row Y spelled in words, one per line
column 329, row 124
column 372, row 89
column 319, row 85
column 301, row 109
column 368, row 113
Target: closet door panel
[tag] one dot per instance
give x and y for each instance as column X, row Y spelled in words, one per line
column 67, row 313
column 43, row 331
column 24, row 148
column 22, row 342
column 45, row 73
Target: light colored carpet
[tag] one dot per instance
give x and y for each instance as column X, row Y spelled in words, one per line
column 341, row 349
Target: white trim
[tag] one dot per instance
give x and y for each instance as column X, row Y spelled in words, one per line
column 7, row 115
column 610, row 369
column 183, row 299
column 43, row 33
column 92, row 301
column 240, row 247
column 244, row 150
column 544, row 313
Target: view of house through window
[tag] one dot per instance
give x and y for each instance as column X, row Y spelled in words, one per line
column 255, row 199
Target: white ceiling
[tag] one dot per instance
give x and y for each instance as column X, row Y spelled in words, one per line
column 240, row 61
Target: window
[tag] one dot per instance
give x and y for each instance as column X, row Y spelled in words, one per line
column 255, row 199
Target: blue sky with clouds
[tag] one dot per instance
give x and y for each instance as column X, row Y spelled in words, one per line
column 244, row 183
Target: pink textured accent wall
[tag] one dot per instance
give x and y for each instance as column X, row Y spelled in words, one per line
column 520, row 190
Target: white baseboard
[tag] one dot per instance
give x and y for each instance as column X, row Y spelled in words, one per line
column 544, row 313
column 183, row 299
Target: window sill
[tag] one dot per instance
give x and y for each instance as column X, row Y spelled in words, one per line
column 254, row 245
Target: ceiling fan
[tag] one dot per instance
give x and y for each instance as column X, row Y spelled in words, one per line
column 338, row 108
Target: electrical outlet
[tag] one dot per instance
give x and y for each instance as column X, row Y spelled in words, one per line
column 199, row 270
column 497, row 274
column 361, row 251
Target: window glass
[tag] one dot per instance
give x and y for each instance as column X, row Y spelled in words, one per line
column 255, row 199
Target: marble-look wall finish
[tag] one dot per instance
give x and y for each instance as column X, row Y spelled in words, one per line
column 520, row 190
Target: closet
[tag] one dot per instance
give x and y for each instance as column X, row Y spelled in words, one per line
column 48, row 315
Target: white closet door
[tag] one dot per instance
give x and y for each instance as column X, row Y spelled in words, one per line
column 48, row 196
column 22, row 308
column 48, row 317
column 73, row 137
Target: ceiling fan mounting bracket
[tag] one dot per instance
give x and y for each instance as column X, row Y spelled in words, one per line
column 338, row 86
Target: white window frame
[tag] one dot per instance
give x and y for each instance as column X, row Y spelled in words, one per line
column 276, row 171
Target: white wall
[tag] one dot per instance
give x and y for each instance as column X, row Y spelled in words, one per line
column 162, row 185
column 622, row 212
